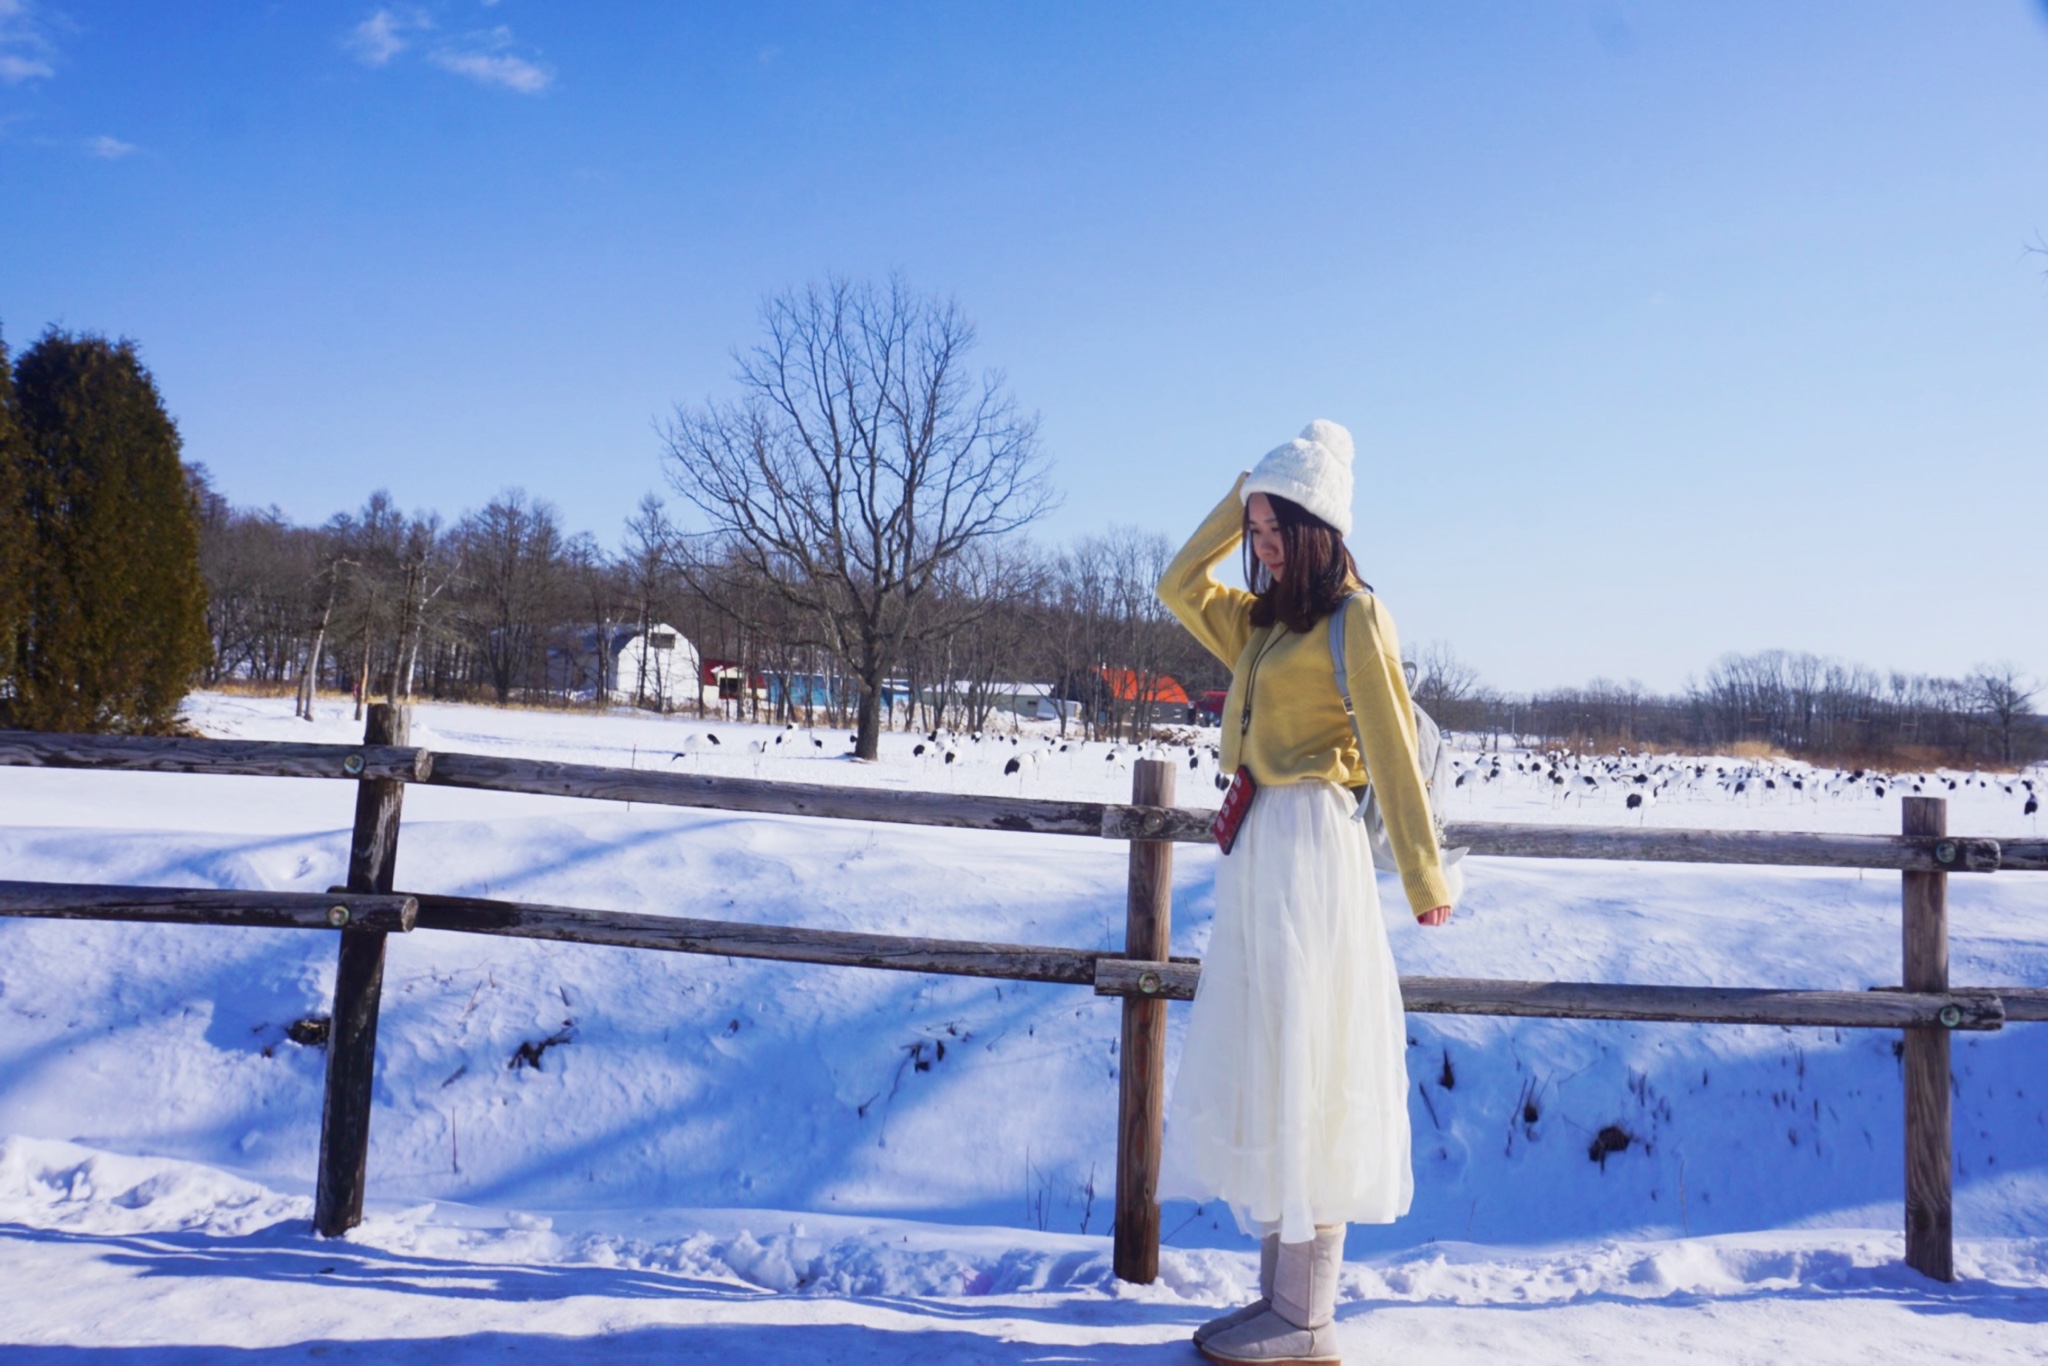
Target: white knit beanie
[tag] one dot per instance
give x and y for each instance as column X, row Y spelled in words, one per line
column 1313, row 470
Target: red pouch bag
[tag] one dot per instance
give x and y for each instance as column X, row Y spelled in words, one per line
column 1236, row 802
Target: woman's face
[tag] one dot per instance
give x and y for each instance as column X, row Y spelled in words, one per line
column 1267, row 546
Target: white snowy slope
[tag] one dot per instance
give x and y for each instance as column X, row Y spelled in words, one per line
column 719, row 1159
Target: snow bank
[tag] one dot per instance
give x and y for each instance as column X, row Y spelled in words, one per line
column 57, row 1186
column 49, row 1184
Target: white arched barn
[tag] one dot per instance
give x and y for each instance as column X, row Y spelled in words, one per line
column 652, row 668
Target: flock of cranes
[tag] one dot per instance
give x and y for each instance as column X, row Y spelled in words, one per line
column 1639, row 781
column 1628, row 781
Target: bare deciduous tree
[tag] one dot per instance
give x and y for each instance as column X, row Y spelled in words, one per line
column 513, row 553
column 2005, row 695
column 1443, row 682
column 860, row 458
column 971, row 633
column 648, row 569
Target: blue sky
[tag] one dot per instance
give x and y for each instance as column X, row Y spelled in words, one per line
column 1665, row 330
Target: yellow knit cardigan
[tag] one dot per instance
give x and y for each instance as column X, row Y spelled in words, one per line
column 1298, row 728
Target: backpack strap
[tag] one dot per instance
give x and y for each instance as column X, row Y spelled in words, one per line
column 1337, row 664
column 1336, row 633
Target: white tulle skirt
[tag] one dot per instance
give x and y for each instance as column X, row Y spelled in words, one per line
column 1291, row 1102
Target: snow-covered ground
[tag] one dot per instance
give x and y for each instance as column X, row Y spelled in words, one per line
column 723, row 1159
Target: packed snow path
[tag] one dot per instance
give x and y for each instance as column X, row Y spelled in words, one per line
column 911, row 1165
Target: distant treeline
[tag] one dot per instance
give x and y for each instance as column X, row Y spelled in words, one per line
column 1794, row 703
column 488, row 608
column 469, row 611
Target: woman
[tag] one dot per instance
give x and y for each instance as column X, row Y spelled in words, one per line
column 1291, row 1100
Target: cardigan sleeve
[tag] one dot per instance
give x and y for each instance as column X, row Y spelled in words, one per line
column 1217, row 615
column 1386, row 723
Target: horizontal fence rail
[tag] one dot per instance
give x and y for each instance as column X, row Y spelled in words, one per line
column 1890, row 853
column 1106, row 820
column 1926, row 1008
column 2025, row 1003
column 782, row 943
column 1970, row 1008
column 1975, row 1008
column 902, row 806
column 190, row 754
column 201, row 906
column 1964, row 1008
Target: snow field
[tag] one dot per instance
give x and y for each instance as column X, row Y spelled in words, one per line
column 700, row 1140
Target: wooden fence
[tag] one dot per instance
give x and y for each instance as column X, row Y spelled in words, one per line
column 367, row 909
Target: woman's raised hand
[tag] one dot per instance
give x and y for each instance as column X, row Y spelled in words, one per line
column 1435, row 915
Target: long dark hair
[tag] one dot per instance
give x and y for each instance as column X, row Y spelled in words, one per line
column 1320, row 570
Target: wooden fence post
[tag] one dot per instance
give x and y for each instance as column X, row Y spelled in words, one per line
column 358, row 985
column 1929, row 1209
column 1141, row 1095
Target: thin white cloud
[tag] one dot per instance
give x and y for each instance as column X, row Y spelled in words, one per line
column 108, row 148
column 15, row 68
column 512, row 73
column 24, row 52
column 483, row 58
column 382, row 36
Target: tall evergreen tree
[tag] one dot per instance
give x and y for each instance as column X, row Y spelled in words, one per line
column 14, row 528
column 116, row 623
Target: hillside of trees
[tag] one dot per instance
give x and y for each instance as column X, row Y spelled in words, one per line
column 469, row 610
column 1790, row 702
column 409, row 605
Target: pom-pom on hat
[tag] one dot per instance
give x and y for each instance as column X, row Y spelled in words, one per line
column 1313, row 470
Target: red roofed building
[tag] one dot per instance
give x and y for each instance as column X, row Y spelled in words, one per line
column 1165, row 700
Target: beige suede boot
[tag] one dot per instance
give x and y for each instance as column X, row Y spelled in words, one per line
column 1269, row 1253
column 1300, row 1328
